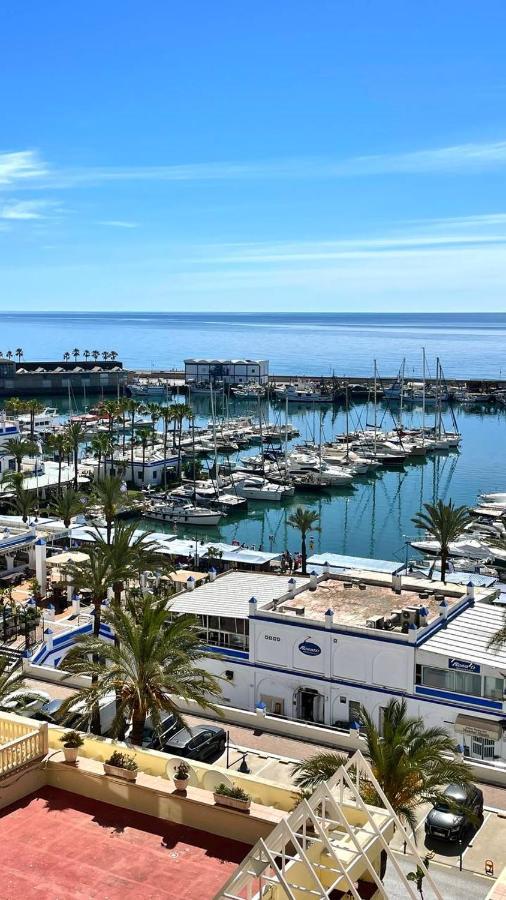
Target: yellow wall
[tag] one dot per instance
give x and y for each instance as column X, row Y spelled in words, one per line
column 268, row 793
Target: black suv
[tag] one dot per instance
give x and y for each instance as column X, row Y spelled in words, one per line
column 200, row 742
column 448, row 821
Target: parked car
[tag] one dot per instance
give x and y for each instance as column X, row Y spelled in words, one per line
column 200, row 742
column 449, row 820
column 155, row 740
column 49, row 712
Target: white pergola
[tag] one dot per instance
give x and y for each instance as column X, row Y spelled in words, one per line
column 316, row 849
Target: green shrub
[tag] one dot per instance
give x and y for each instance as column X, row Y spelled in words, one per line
column 122, row 761
column 236, row 793
column 71, row 739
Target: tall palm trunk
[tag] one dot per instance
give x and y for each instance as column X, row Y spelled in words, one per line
column 444, row 563
column 132, row 420
column 95, row 725
column 304, row 553
column 76, row 456
column 165, row 437
column 59, row 473
column 138, row 723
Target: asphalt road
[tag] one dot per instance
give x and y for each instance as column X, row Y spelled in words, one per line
column 452, row 884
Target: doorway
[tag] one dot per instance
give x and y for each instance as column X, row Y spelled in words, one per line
column 482, row 748
column 310, row 705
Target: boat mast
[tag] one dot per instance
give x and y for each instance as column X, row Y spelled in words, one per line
column 347, row 421
column 375, row 408
column 403, row 367
column 214, row 442
column 286, row 436
column 423, row 396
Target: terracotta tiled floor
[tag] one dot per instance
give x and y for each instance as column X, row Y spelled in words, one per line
column 57, row 846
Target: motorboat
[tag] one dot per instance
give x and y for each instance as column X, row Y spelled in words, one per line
column 182, row 513
column 255, row 487
column 473, row 549
column 205, row 494
column 292, row 394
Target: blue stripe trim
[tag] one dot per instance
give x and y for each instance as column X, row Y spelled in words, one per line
column 462, row 698
column 225, row 651
column 333, row 630
column 392, row 692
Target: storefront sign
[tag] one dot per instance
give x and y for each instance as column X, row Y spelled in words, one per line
column 310, row 649
column 463, row 665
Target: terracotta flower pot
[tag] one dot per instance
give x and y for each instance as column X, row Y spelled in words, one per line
column 70, row 754
column 181, row 784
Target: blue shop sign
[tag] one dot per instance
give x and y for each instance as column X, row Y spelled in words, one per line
column 310, row 649
column 464, row 665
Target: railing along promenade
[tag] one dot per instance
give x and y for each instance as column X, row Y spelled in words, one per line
column 20, row 743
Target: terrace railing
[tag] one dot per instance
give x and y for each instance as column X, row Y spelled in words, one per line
column 20, row 743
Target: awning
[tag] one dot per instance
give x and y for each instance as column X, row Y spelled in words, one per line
column 478, row 727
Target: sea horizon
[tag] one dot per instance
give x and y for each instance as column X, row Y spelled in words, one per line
column 469, row 344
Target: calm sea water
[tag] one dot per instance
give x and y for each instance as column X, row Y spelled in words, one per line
column 469, row 345
column 373, row 518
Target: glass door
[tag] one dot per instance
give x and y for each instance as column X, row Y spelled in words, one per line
column 482, row 748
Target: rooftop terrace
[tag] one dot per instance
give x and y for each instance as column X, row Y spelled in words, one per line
column 354, row 600
column 92, row 849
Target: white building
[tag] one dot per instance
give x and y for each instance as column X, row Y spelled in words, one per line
column 316, row 649
column 147, row 472
column 226, row 371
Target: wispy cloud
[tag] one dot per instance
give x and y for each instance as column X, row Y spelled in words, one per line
column 118, row 223
column 25, row 165
column 26, row 209
column 469, row 158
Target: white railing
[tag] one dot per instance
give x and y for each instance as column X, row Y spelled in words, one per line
column 20, row 743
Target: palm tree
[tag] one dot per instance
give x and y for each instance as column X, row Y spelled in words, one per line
column 58, row 444
column 86, row 355
column 129, row 554
column 76, row 435
column 12, row 682
column 132, row 407
column 66, row 356
column 155, row 412
column 34, row 407
column 143, row 435
column 67, row 505
column 75, row 353
column 113, row 355
column 14, row 406
column 19, row 447
column 105, row 354
column 445, row 523
column 101, row 446
column 410, row 762
column 152, row 662
column 9, row 354
column 19, row 353
column 95, row 354
column 305, row 521
column 167, row 415
column 109, row 493
column 22, row 501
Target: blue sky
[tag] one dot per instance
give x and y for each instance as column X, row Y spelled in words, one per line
column 253, row 156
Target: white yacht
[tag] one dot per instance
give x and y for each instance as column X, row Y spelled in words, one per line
column 205, row 493
column 293, row 394
column 182, row 513
column 254, row 487
column 473, row 549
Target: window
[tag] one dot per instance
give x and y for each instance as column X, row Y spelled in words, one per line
column 460, row 682
column 493, row 687
column 436, row 678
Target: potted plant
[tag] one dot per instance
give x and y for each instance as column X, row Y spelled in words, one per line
column 181, row 776
column 233, row 797
column 71, row 741
column 121, row 765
